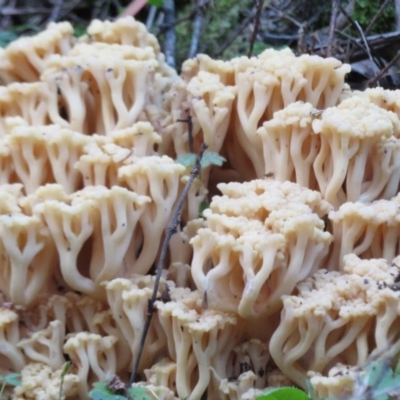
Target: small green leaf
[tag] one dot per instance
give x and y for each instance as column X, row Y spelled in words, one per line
column 64, row 372
column 284, row 393
column 139, row 393
column 156, row 3
column 311, row 390
column 381, row 379
column 6, row 37
column 79, row 30
column 100, row 395
column 101, row 386
column 203, row 206
column 186, row 159
column 211, row 158
column 66, row 368
column 102, row 392
column 397, row 369
column 12, row 379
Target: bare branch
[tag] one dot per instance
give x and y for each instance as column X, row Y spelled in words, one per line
column 55, row 13
column 332, row 26
column 384, row 70
column 170, row 34
column 376, row 16
column 171, row 229
column 178, row 21
column 189, row 122
column 133, row 8
column 397, row 8
column 151, row 17
column 236, row 33
column 368, row 50
column 256, row 26
column 197, row 24
column 342, row 20
column 21, row 11
column 285, row 15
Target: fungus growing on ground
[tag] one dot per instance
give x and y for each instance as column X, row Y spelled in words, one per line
column 262, row 238
column 90, row 130
column 338, row 318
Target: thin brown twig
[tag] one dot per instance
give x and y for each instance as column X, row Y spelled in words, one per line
column 189, row 122
column 197, row 25
column 69, row 6
column 172, row 228
column 366, row 48
column 236, row 33
column 301, row 45
column 377, row 42
column 178, row 21
column 150, row 17
column 256, row 27
column 21, row 11
column 332, row 26
column 133, row 8
column 56, row 11
column 365, row 41
column 285, row 15
column 372, row 82
column 170, row 34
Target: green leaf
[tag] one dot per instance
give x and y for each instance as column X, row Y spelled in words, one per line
column 211, row 158
column 155, row 3
column 284, row 393
column 101, row 386
column 66, row 368
column 64, row 372
column 139, row 393
column 102, row 392
column 100, row 395
column 381, row 378
column 6, row 37
column 186, row 159
column 311, row 390
column 79, row 30
column 12, row 379
column 203, row 206
column 397, row 369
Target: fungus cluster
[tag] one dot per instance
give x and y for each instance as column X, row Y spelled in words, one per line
column 291, row 272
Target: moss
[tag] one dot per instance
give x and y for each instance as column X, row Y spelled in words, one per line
column 221, row 18
column 365, row 10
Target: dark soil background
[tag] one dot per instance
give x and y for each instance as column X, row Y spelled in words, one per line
column 363, row 33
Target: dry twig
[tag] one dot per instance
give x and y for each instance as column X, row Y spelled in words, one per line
column 397, row 8
column 170, row 34
column 197, row 24
column 366, row 44
column 376, row 16
column 383, row 72
column 133, row 8
column 172, row 228
column 55, row 13
column 178, row 21
column 236, row 33
column 189, row 122
column 256, row 26
column 332, row 26
column 150, row 18
column 10, row 11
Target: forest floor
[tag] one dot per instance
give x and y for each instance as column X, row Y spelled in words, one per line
column 360, row 32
